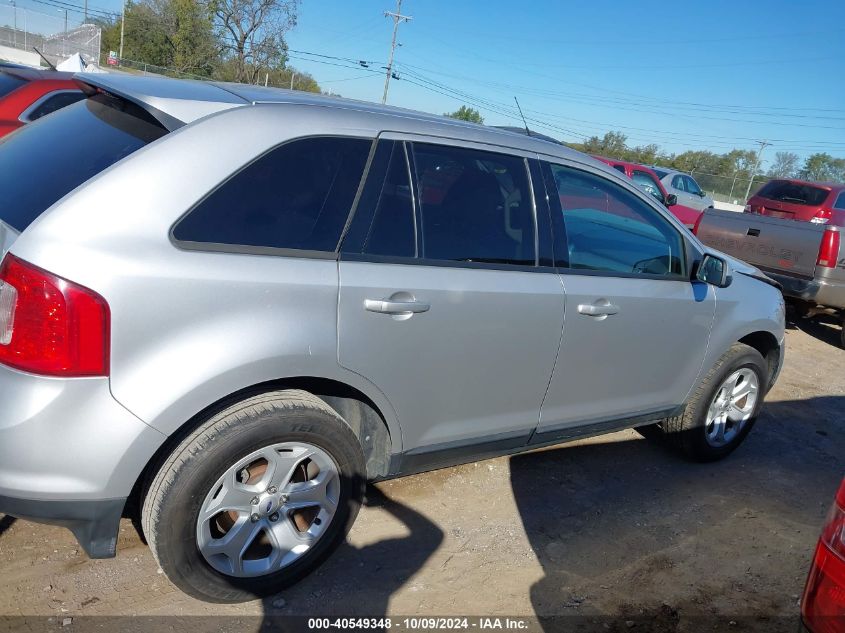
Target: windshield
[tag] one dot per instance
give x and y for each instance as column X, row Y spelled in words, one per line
column 45, row 160
column 793, row 192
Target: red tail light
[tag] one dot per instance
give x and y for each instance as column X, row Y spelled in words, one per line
column 829, row 249
column 822, row 216
column 49, row 325
column 823, row 605
column 697, row 224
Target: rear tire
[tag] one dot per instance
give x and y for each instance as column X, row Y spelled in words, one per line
column 695, row 432
column 293, row 473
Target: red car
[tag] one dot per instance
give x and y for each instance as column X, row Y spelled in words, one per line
column 818, row 202
column 823, row 604
column 27, row 94
column 648, row 180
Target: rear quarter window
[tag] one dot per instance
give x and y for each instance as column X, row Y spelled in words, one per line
column 45, row 160
column 297, row 196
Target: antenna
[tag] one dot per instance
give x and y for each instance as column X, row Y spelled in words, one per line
column 527, row 131
column 49, row 63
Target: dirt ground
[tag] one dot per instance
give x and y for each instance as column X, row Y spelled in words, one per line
column 614, row 526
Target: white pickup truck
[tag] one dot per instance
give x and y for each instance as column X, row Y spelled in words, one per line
column 807, row 259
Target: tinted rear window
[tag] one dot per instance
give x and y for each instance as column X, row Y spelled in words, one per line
column 793, row 193
column 661, row 174
column 45, row 160
column 8, row 83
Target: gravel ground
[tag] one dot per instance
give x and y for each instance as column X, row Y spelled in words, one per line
column 613, row 527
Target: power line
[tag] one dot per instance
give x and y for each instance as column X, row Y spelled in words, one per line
column 75, row 8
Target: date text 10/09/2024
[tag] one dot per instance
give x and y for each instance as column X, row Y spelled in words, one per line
column 423, row 623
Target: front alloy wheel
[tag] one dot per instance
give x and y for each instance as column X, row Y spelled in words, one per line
column 732, row 406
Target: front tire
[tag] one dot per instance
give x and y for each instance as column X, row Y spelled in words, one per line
column 255, row 498
column 723, row 408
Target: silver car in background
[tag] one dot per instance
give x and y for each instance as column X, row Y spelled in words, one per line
column 684, row 186
column 231, row 306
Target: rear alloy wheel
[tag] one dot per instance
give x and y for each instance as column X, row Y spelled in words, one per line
column 268, row 509
column 255, row 498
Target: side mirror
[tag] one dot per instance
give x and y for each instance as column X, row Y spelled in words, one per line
column 671, row 200
column 714, row 271
column 701, row 194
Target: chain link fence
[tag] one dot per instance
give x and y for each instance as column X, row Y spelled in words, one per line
column 729, row 188
column 56, row 36
column 151, row 69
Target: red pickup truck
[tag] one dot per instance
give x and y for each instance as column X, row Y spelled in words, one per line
column 648, row 181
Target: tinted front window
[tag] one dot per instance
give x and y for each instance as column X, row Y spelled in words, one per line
column 55, row 102
column 793, row 193
column 8, row 83
column 475, row 206
column 678, row 183
column 610, row 229
column 692, row 186
column 296, row 196
column 43, row 161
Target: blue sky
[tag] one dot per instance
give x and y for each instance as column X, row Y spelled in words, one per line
column 704, row 75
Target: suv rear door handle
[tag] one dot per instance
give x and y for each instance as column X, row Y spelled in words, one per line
column 386, row 306
column 601, row 308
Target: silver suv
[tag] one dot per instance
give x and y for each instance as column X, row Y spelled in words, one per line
column 231, row 306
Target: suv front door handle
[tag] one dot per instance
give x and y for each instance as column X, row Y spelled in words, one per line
column 388, row 306
column 601, row 308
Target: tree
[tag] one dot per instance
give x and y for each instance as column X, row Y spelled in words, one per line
column 823, row 167
column 252, row 34
column 466, row 114
column 174, row 34
column 612, row 145
column 785, row 165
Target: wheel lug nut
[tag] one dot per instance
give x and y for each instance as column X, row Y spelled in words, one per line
column 254, row 501
column 274, row 517
column 284, row 498
column 272, row 490
column 254, row 518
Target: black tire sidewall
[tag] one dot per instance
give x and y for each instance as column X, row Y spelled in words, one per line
column 700, row 448
column 175, row 541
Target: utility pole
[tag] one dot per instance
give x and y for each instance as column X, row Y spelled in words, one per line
column 292, row 76
column 763, row 145
column 85, row 19
column 397, row 18
column 122, row 27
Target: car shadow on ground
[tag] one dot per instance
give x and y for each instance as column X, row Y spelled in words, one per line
column 826, row 328
column 631, row 516
column 359, row 581
column 6, row 522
